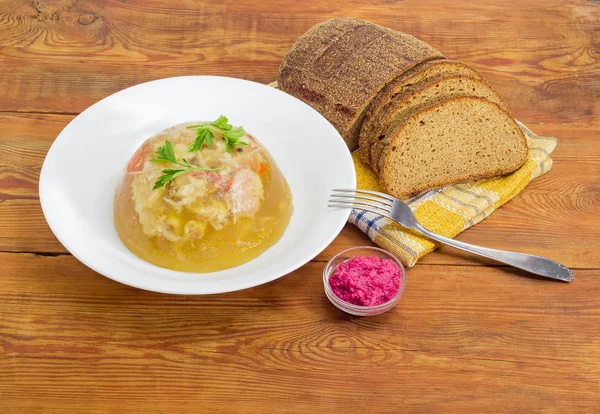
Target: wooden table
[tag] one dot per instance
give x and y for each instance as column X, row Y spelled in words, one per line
column 468, row 335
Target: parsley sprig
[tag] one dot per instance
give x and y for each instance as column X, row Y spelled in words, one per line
column 205, row 134
column 166, row 154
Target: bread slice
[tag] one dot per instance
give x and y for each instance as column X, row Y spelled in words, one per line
column 409, row 81
column 428, row 93
column 340, row 65
column 378, row 147
column 454, row 141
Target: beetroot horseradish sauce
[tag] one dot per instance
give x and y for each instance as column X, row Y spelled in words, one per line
column 366, row 280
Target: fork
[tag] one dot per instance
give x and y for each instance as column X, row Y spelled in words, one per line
column 402, row 214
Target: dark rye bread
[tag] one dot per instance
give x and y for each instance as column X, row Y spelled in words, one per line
column 340, row 65
column 427, row 94
column 380, row 145
column 424, row 72
column 455, row 141
column 383, row 144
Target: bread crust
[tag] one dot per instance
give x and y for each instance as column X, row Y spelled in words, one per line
column 340, row 65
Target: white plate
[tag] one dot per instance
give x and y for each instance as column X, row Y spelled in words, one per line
column 87, row 160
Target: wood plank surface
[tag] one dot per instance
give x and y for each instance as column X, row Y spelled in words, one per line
column 450, row 345
column 468, row 335
column 62, row 56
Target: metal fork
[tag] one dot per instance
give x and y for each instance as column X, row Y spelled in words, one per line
column 402, row 214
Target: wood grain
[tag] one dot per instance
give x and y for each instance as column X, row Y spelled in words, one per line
column 78, row 340
column 62, row 56
column 561, row 204
column 468, row 335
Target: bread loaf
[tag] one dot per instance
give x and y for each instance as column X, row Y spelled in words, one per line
column 340, row 65
column 421, row 121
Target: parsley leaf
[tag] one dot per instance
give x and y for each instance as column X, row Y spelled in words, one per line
column 203, row 136
column 222, row 123
column 234, row 134
column 221, row 126
column 166, row 154
column 168, row 175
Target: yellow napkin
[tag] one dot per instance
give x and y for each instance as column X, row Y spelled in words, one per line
column 450, row 210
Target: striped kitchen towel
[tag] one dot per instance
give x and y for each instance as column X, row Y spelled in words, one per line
column 450, row 210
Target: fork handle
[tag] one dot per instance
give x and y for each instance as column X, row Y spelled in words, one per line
column 535, row 264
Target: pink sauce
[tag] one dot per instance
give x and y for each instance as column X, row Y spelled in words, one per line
column 366, row 281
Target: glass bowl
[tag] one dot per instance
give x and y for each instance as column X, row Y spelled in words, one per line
column 359, row 310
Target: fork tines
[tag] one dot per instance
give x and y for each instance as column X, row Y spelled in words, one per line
column 362, row 200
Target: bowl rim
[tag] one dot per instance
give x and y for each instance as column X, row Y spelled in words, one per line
column 327, row 271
